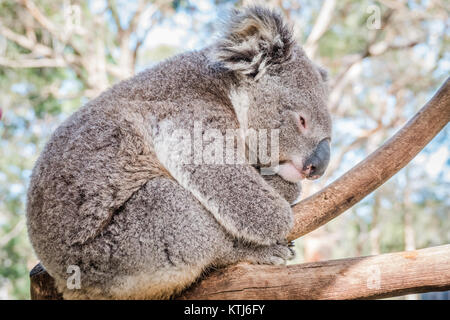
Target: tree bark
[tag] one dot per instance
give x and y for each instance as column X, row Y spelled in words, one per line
column 42, row 285
column 380, row 276
column 401, row 273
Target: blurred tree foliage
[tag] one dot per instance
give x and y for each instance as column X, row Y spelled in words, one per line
column 55, row 55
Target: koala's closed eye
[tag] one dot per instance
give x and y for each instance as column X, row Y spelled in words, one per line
column 302, row 121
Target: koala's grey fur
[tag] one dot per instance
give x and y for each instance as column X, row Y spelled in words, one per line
column 107, row 196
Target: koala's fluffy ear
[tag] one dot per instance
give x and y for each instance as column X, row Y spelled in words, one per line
column 255, row 38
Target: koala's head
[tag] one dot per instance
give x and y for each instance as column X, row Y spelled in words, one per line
column 279, row 88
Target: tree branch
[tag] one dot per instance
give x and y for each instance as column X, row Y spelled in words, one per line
column 57, row 32
column 134, row 22
column 380, row 276
column 25, row 42
column 33, row 63
column 320, row 27
column 54, row 60
column 113, row 8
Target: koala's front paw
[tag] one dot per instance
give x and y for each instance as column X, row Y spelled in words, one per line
column 288, row 190
column 270, row 222
column 276, row 254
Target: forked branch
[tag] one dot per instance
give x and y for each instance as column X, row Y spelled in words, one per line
column 380, row 276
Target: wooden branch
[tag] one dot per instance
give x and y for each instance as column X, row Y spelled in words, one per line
column 134, row 21
column 53, row 59
column 42, row 285
column 113, row 8
column 46, row 23
column 376, row 169
column 345, row 76
column 321, row 25
column 33, row 63
column 27, row 43
column 56, row 31
column 380, row 276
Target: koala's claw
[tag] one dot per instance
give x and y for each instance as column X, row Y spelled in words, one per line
column 276, row 254
column 287, row 243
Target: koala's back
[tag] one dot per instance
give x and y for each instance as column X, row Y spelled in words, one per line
column 89, row 168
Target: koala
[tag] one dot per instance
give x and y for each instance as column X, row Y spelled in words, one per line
column 113, row 192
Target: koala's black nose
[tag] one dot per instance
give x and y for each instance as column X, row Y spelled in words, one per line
column 315, row 165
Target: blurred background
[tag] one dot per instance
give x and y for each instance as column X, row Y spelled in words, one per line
column 385, row 58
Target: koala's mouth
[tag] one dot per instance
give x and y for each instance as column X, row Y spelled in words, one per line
column 295, row 172
column 285, row 169
column 290, row 172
